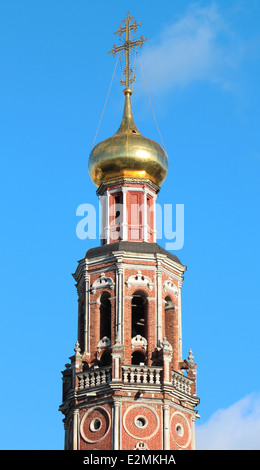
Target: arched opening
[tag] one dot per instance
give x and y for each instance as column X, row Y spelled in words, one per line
column 139, row 323
column 105, row 316
column 150, row 218
column 116, row 216
column 81, row 324
column 138, row 357
column 170, row 322
column 135, row 215
column 106, row 359
column 168, row 303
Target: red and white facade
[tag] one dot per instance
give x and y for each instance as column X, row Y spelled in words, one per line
column 128, row 211
column 127, row 386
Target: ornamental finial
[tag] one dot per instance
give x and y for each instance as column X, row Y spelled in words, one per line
column 127, row 47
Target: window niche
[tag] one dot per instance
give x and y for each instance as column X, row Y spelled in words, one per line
column 105, row 316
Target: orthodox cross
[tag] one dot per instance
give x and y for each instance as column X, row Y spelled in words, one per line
column 127, row 46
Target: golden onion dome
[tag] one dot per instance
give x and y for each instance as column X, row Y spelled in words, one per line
column 127, row 154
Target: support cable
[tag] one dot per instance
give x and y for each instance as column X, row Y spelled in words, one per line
column 150, row 101
column 105, row 103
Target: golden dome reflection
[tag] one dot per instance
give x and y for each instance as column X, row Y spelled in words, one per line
column 127, row 154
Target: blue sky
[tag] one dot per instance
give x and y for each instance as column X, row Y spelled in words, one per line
column 201, row 66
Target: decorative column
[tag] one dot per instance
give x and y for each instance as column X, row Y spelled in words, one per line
column 166, row 353
column 166, row 427
column 116, row 425
column 159, row 303
column 119, row 304
column 125, row 215
column 75, row 428
column 154, row 220
column 179, row 324
column 192, row 372
column 193, row 432
column 87, row 322
column 117, row 359
column 145, row 214
column 107, row 223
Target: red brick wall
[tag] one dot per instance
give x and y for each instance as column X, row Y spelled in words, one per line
column 150, row 433
column 91, row 439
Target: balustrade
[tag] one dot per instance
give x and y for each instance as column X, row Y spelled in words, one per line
column 181, row 382
column 94, row 377
column 133, row 375
column 144, row 375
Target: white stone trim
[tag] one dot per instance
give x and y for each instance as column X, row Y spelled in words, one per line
column 139, row 341
column 169, row 286
column 103, row 343
column 139, row 280
column 101, row 283
column 107, row 228
column 188, row 427
column 141, row 407
column 83, row 421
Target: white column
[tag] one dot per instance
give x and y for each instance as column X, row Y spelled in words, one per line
column 145, row 215
column 179, row 324
column 193, row 432
column 75, row 429
column 159, row 303
column 119, row 303
column 125, row 216
column 107, row 227
column 166, row 427
column 154, row 219
column 116, row 426
column 87, row 316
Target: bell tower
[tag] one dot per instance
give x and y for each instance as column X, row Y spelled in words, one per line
column 127, row 386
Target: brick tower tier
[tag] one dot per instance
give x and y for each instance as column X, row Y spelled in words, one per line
column 127, row 386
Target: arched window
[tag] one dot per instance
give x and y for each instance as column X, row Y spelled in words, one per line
column 135, row 216
column 150, row 217
column 168, row 303
column 139, row 323
column 105, row 316
column 116, row 216
column 138, row 357
column 170, row 321
column 81, row 326
column 106, row 359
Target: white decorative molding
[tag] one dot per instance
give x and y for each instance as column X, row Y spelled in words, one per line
column 103, row 343
column 141, row 446
column 136, row 410
column 100, row 411
column 184, row 440
column 101, row 283
column 170, row 287
column 139, row 341
column 139, row 280
column 165, row 345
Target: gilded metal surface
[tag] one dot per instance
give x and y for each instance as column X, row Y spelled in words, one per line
column 128, row 153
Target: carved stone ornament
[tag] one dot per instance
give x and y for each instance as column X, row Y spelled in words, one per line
column 101, row 283
column 165, row 345
column 139, row 341
column 103, row 343
column 141, row 446
column 139, row 280
column 77, row 349
column 170, row 287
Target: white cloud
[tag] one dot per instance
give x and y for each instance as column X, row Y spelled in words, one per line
column 199, row 46
column 233, row 428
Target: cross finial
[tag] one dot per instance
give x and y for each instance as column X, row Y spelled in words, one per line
column 127, row 46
